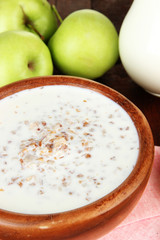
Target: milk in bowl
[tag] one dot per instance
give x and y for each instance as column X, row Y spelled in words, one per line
column 61, row 148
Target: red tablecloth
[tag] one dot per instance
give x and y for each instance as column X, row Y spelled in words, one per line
column 143, row 223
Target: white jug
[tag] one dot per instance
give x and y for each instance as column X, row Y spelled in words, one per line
column 139, row 44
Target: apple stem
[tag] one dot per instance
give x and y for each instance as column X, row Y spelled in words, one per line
column 57, row 13
column 30, row 25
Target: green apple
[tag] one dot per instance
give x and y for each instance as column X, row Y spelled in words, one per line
column 23, row 55
column 30, row 15
column 85, row 44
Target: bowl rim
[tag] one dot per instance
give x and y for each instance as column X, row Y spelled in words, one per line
column 129, row 185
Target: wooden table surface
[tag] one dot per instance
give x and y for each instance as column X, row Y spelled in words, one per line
column 116, row 77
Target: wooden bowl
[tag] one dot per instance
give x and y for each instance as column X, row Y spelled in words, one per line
column 96, row 219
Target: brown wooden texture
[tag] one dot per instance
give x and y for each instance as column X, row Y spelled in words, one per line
column 65, row 7
column 117, row 78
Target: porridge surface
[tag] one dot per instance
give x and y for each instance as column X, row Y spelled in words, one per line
column 62, row 147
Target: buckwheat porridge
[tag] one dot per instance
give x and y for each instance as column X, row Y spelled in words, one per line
column 62, row 147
